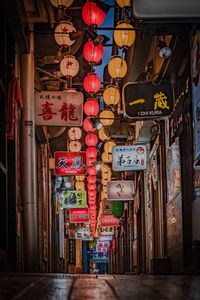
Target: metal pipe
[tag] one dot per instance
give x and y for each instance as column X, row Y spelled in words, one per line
column 30, row 216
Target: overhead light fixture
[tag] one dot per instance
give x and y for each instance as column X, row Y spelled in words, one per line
column 164, row 50
column 95, row 123
column 97, row 39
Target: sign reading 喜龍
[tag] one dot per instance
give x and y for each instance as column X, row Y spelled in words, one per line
column 129, row 158
column 70, row 163
column 59, row 108
column 144, row 100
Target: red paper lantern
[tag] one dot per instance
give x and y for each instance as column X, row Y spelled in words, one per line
column 87, row 126
column 91, row 107
column 92, row 171
column 90, row 161
column 92, row 193
column 91, row 179
column 92, row 53
column 91, row 83
column 91, row 139
column 91, row 152
column 91, row 187
column 92, row 14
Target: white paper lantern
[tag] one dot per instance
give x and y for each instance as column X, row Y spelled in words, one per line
column 74, row 133
column 61, row 34
column 74, row 146
column 69, row 66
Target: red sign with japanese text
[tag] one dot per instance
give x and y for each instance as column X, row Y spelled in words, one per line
column 70, row 163
column 79, row 215
column 59, row 108
column 109, row 220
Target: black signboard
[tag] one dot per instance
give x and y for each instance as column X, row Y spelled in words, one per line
column 144, row 100
column 72, row 251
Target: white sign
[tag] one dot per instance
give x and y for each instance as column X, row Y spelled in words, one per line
column 58, row 108
column 83, row 234
column 129, row 158
column 106, row 230
column 122, row 190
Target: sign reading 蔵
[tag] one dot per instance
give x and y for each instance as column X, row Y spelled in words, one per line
column 143, row 100
column 129, row 158
column 59, row 108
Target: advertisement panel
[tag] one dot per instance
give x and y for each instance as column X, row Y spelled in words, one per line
column 70, row 163
column 83, row 234
column 76, row 199
column 58, row 108
column 129, row 158
column 122, row 190
column 143, row 100
column 109, row 220
column 106, row 230
column 79, row 215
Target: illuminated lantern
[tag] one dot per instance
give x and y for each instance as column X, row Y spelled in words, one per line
column 69, row 66
column 117, row 208
column 124, row 38
column 91, row 202
column 91, row 83
column 117, row 67
column 61, row 34
column 92, row 53
column 91, row 152
column 92, row 14
column 92, row 171
column 106, row 117
column 90, row 161
column 92, row 193
column 91, row 139
column 103, row 195
column 74, row 146
column 87, row 126
column 108, row 146
column 91, row 107
column 102, row 135
column 106, row 157
column 58, row 3
column 104, row 182
column 91, row 179
column 111, row 95
column 80, row 177
column 124, row 3
column 74, row 133
column 91, row 187
column 80, row 186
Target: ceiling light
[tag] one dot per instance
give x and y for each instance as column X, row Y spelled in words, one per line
column 164, row 50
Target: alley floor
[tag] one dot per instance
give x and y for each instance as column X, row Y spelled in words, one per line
column 102, row 287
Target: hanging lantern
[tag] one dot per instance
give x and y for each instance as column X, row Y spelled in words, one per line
column 92, row 14
column 108, row 146
column 91, row 202
column 91, row 179
column 61, row 33
column 93, row 54
column 91, row 193
column 91, row 107
column 102, row 135
column 91, row 187
column 106, row 157
column 90, row 161
column 111, row 95
column 124, row 38
column 69, row 66
column 106, row 117
column 91, row 139
column 124, row 3
column 91, row 152
column 91, row 83
column 87, row 126
column 104, row 182
column 103, row 195
column 58, row 3
column 80, row 186
column 74, row 133
column 117, row 208
column 117, row 67
column 92, row 171
column 74, row 146
column 80, row 177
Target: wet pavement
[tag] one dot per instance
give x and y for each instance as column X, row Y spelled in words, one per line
column 105, row 287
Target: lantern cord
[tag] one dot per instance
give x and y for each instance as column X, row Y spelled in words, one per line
column 51, row 75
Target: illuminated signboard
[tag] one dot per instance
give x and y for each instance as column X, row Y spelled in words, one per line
column 79, row 215
column 70, row 163
column 120, row 190
column 75, row 199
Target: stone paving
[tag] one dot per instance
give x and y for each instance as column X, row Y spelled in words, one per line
column 101, row 287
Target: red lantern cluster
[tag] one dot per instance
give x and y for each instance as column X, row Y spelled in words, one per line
column 92, row 14
column 93, row 54
column 91, row 139
column 91, row 83
column 87, row 126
